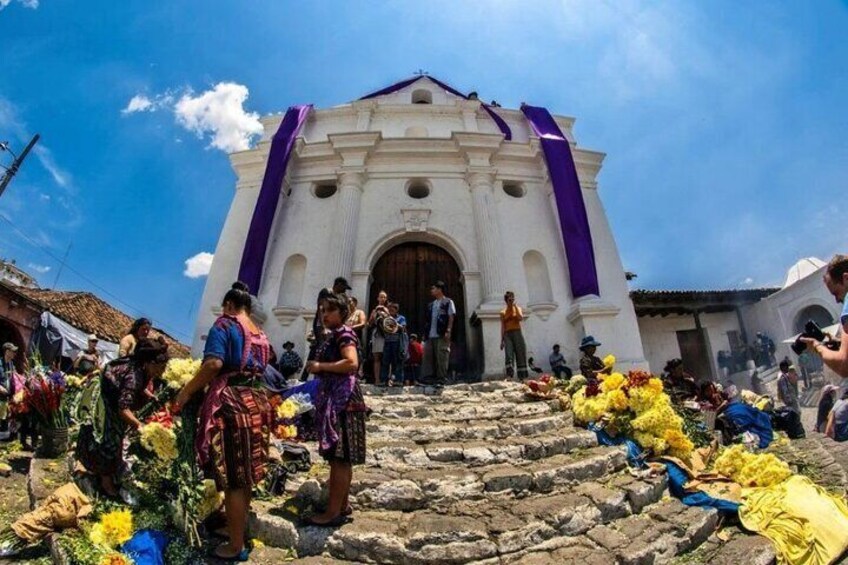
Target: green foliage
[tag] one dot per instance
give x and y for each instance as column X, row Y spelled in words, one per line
column 693, row 426
column 179, row 552
column 79, row 549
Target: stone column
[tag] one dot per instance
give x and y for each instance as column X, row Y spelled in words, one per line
column 488, row 230
column 350, row 196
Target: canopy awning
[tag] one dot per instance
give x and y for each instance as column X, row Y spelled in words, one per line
column 55, row 337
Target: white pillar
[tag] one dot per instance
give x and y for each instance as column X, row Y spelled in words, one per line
column 350, row 196
column 488, row 231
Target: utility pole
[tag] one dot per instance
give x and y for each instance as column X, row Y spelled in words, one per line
column 16, row 164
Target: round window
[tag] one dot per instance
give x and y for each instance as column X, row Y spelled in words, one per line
column 514, row 189
column 418, row 190
column 324, row 190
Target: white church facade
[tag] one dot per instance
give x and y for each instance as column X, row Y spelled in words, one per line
column 417, row 184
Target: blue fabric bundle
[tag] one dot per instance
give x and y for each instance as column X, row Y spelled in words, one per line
column 146, row 547
column 749, row 419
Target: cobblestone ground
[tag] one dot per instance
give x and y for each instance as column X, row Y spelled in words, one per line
column 479, row 474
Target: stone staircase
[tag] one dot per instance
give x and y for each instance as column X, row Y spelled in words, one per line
column 480, row 474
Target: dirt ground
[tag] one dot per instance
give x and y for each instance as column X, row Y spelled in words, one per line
column 14, row 501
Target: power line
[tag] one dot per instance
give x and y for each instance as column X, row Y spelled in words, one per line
column 67, row 266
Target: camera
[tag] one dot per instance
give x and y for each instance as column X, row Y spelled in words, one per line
column 812, row 329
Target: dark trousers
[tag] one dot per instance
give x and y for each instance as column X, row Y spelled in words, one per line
column 27, row 429
column 391, row 356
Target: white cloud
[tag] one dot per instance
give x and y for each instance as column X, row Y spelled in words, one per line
column 44, row 197
column 748, row 281
column 220, row 113
column 199, row 265
column 40, row 269
column 31, row 4
column 138, row 103
column 62, row 177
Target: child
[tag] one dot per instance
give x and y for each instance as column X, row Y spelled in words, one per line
column 414, row 359
column 392, row 365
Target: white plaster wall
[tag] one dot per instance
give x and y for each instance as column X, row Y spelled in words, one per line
column 776, row 315
column 659, row 336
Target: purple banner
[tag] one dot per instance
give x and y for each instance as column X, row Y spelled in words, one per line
column 502, row 125
column 256, row 244
column 576, row 234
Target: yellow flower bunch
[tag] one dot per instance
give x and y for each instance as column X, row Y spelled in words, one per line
column 287, row 410
column 643, row 398
column 285, row 432
column 113, row 529
column 613, row 381
column 655, row 425
column 589, row 409
column 609, row 361
column 658, row 426
column 751, row 469
column 210, row 499
column 617, row 400
column 160, row 440
column 178, row 372
column 115, row 558
column 73, row 381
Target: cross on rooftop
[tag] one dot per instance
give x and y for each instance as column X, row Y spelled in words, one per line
column 421, row 73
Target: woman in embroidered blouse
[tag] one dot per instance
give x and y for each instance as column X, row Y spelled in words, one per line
column 124, row 390
column 235, row 417
column 340, row 410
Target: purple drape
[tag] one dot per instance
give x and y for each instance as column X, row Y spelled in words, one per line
column 256, row 244
column 502, row 125
column 573, row 220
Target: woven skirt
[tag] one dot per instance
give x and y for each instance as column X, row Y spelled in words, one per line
column 351, row 429
column 240, row 440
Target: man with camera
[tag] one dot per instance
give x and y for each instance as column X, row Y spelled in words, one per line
column 836, row 281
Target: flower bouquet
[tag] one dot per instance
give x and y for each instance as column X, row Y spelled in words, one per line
column 634, row 405
column 288, row 413
column 43, row 396
column 544, row 387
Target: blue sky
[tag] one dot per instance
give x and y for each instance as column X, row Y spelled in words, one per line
column 724, row 123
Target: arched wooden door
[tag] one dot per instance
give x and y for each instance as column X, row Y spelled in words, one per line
column 406, row 272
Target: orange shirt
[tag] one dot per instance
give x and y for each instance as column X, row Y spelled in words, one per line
column 512, row 317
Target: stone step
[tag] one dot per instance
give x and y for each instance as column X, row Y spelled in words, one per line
column 462, row 411
column 460, row 531
column 385, row 453
column 408, row 488
column 456, row 389
column 660, row 533
column 429, row 431
column 819, row 457
column 378, row 396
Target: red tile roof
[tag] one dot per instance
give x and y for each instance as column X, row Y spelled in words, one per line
column 89, row 313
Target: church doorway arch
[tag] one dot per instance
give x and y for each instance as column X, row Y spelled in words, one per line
column 406, row 272
column 818, row 314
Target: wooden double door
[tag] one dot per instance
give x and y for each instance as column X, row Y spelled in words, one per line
column 406, row 272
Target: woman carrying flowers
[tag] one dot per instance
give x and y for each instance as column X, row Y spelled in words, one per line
column 235, row 418
column 123, row 391
column 340, row 410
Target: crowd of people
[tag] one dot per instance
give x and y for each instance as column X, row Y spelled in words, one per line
column 87, row 364
column 390, row 353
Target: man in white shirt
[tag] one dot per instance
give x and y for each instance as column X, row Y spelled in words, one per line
column 441, row 314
